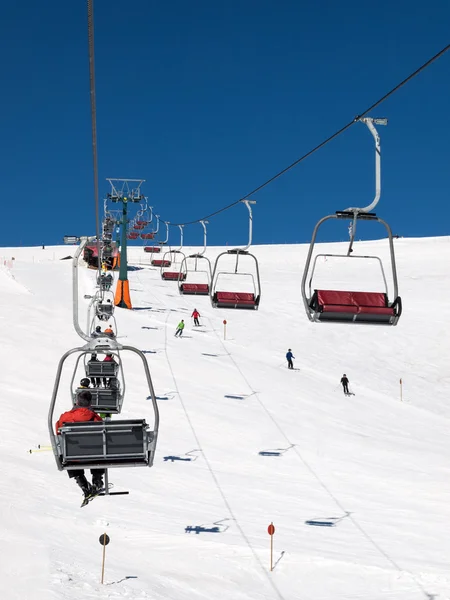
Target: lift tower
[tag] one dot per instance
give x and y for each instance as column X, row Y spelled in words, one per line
column 125, row 191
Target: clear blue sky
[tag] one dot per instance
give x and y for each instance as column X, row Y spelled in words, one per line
column 206, row 100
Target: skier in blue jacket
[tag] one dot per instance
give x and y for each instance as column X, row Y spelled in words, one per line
column 289, row 357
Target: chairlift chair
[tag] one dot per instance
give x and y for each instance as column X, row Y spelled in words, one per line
column 173, row 262
column 104, row 399
column 109, row 444
column 226, row 298
column 188, row 282
column 158, row 262
column 339, row 306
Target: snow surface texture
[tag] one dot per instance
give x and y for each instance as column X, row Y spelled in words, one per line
column 358, row 487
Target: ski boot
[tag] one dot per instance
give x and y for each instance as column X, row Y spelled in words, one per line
column 84, row 485
column 97, row 484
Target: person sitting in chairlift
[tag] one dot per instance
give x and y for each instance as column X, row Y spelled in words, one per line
column 98, row 331
column 96, row 381
column 109, row 331
column 80, row 413
column 108, row 358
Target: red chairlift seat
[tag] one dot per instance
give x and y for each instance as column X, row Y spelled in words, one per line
column 143, row 223
column 147, row 236
column 173, row 275
column 199, row 289
column 159, row 262
column 235, row 300
column 137, row 226
column 359, row 307
column 152, row 249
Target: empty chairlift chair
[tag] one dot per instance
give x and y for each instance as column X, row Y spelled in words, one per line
column 349, row 306
column 195, row 280
column 239, row 286
column 171, row 266
column 195, row 272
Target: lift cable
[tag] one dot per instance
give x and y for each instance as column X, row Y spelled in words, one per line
column 329, row 139
column 90, row 7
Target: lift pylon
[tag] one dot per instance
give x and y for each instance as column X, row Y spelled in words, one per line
column 125, row 191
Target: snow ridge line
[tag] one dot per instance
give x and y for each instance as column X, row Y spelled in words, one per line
column 322, row 484
column 213, row 475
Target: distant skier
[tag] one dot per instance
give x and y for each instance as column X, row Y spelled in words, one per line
column 180, row 328
column 289, row 357
column 345, row 383
column 80, row 413
column 196, row 315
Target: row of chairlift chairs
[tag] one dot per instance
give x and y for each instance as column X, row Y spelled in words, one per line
column 113, row 442
column 195, row 275
column 321, row 305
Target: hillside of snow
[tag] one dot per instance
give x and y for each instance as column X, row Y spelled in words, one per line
column 243, row 441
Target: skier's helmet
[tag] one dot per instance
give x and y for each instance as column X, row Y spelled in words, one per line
column 85, row 382
column 289, row 350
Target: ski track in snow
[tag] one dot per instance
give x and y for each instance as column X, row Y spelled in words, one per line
column 242, row 441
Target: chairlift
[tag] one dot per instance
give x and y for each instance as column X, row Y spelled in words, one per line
column 188, row 282
column 87, row 445
column 174, row 260
column 109, row 444
column 158, row 262
column 337, row 306
column 106, row 399
column 225, row 298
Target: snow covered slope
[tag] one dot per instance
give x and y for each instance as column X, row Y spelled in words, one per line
column 243, row 441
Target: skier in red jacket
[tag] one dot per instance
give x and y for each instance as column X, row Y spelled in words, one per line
column 196, row 315
column 83, row 412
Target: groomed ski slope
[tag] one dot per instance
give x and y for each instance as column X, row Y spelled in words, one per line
column 194, row 526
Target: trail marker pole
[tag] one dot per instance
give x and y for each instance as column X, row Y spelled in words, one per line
column 224, row 329
column 271, row 531
column 104, row 541
column 401, row 390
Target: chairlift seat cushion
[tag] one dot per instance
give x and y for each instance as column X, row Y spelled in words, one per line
column 195, row 288
column 351, row 302
column 235, row 298
column 154, row 249
column 173, row 275
column 161, row 263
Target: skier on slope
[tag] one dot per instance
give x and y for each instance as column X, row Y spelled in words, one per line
column 80, row 413
column 345, row 383
column 195, row 316
column 289, row 357
column 180, row 327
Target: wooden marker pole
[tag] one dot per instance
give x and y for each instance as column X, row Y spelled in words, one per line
column 224, row 329
column 271, row 531
column 401, row 390
column 104, row 541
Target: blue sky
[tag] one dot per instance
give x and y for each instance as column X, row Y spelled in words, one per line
column 207, row 100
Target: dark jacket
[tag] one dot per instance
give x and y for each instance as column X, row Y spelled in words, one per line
column 289, row 356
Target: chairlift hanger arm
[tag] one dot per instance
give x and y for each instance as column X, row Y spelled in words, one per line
column 166, row 223
column 370, row 124
column 203, row 224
